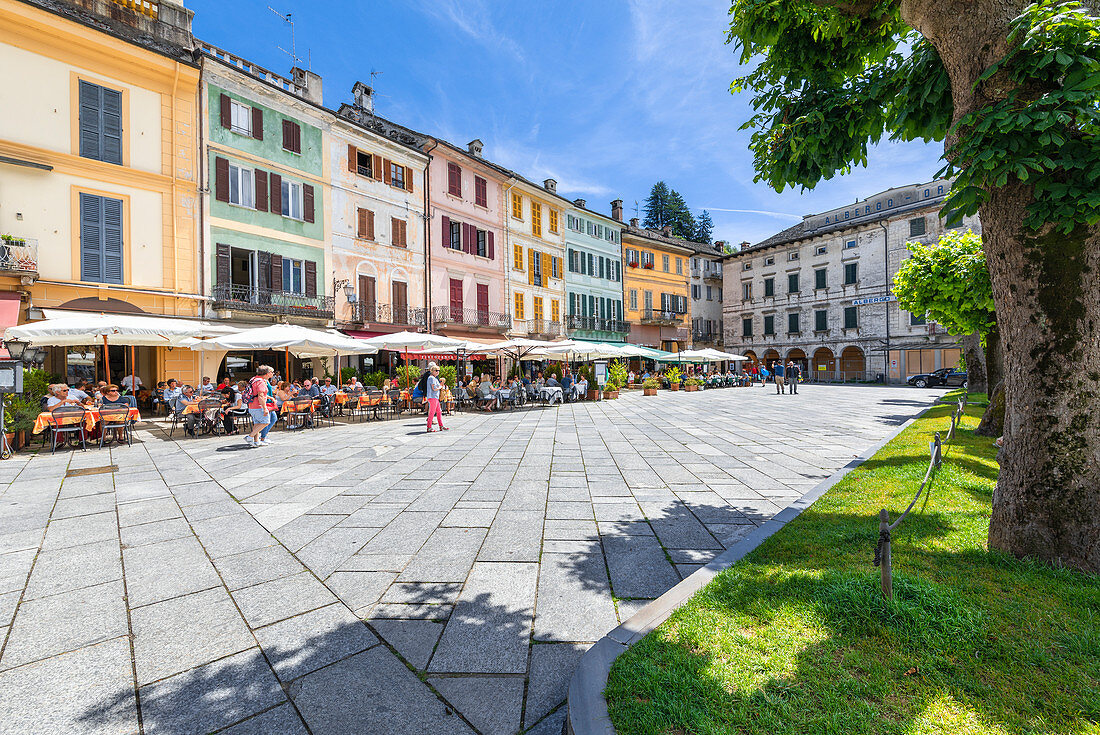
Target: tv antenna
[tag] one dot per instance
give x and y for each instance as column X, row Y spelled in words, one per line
column 636, row 208
column 289, row 19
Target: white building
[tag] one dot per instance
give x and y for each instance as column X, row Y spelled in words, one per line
column 818, row 293
column 706, row 294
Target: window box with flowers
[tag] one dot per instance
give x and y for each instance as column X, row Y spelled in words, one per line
column 648, row 266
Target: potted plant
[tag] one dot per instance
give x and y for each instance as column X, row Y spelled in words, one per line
column 649, row 387
column 691, row 384
column 19, row 415
column 673, row 374
column 616, row 378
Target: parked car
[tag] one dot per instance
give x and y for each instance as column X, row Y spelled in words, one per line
column 943, row 376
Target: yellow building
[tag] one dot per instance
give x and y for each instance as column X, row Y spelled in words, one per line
column 535, row 271
column 655, row 288
column 98, row 171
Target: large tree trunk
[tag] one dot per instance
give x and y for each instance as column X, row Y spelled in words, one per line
column 994, row 358
column 1047, row 501
column 975, row 363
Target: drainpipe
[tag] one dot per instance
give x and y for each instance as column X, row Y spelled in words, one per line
column 427, row 217
column 201, row 188
column 886, row 281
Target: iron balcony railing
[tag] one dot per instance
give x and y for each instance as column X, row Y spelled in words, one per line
column 476, row 318
column 713, row 276
column 270, row 301
column 703, row 335
column 660, row 316
column 376, row 313
column 596, row 324
column 18, row 254
column 544, row 327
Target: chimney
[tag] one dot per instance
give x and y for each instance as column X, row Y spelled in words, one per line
column 720, row 245
column 580, row 203
column 667, row 230
column 744, row 244
column 617, row 210
column 310, row 82
column 167, row 21
column 363, row 96
column 634, row 222
column 475, row 146
column 550, row 185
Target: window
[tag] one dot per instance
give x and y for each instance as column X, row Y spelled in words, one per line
column 916, row 227
column 292, row 137
column 240, row 118
column 517, row 257
column 292, row 199
column 679, row 266
column 746, row 327
column 454, row 180
column 293, row 276
column 695, row 292
column 537, row 311
column 483, row 243
column 851, row 273
column 242, row 186
column 517, row 205
column 769, row 287
column 100, row 123
column 555, row 267
column 364, row 164
column 365, row 225
column 769, row 261
column 793, row 255
column 769, row 326
column 400, row 231
column 518, row 305
column 851, row 317
column 553, row 221
column 481, row 192
column 819, row 278
column 100, row 239
column 916, row 320
column 647, row 259
column 710, row 294
column 647, row 300
column 397, row 175
column 849, row 244
column 456, row 235
column 555, row 311
column 792, row 283
column 793, row 325
column 822, row 249
column 634, row 299
column 746, row 292
column 821, row 320
column 747, row 266
column 536, row 219
column 664, row 263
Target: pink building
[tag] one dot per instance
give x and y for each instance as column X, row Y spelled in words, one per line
column 466, row 244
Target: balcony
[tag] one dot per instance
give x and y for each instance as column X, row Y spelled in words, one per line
column 537, row 328
column 703, row 336
column 374, row 313
column 269, row 301
column 712, row 276
column 473, row 319
column 596, row 324
column 661, row 317
column 19, row 255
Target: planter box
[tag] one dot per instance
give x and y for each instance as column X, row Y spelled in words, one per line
column 610, row 394
column 593, row 395
column 690, row 388
column 674, row 386
column 649, row 391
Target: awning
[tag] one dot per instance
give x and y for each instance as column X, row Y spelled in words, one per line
column 66, row 328
column 9, row 315
column 301, row 341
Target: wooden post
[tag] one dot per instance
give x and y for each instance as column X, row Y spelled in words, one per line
column 884, row 557
column 133, row 370
column 106, row 359
column 287, row 376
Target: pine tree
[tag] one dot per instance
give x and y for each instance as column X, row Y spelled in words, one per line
column 704, row 228
column 679, row 216
column 656, row 207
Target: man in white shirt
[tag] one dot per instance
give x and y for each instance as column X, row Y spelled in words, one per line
column 131, row 382
column 63, row 395
column 328, row 388
column 207, row 387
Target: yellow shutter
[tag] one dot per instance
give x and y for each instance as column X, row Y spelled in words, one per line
column 531, row 270
column 555, row 311
column 519, row 305
column 536, row 219
column 517, row 257
column 545, row 269
column 517, row 205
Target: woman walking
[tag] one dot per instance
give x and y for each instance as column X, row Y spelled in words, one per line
column 259, row 407
column 432, row 396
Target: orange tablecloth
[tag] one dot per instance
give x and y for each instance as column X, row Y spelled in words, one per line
column 288, row 406
column 91, row 418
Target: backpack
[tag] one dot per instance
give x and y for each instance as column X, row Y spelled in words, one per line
column 249, row 394
column 422, row 384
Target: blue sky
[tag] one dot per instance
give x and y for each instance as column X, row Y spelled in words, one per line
column 606, row 97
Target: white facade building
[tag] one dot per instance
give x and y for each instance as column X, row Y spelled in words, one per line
column 706, row 295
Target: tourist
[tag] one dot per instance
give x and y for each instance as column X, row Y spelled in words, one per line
column 794, row 372
column 171, row 392
column 180, row 403
column 259, row 406
column 486, row 394
column 131, row 383
column 552, row 381
column 60, row 395
column 328, row 388
column 779, row 372
column 206, row 388
column 581, row 387
column 112, row 396
column 432, row 390
column 231, row 409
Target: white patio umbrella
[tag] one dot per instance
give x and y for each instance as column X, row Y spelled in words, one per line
column 412, row 342
column 521, row 348
column 301, row 341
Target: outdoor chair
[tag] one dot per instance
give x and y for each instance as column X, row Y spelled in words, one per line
column 209, row 409
column 115, row 418
column 68, row 420
column 325, row 410
column 394, row 397
column 301, row 413
column 354, row 405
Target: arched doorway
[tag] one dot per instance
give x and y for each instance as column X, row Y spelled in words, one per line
column 770, row 357
column 799, row 358
column 823, row 364
column 852, row 363
column 751, row 355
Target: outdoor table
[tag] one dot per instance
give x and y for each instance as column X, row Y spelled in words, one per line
column 288, row 406
column 91, row 418
column 551, row 393
column 504, row 395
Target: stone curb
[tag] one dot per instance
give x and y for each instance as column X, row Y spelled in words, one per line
column 586, row 708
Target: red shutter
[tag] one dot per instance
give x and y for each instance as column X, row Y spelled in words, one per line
column 221, row 179
column 297, row 138
column 257, row 123
column 353, row 159
column 376, row 167
column 469, row 239
column 275, row 188
column 261, row 190
column 370, row 225
column 226, row 111
column 307, row 203
column 446, row 242
column 311, row 278
column 489, row 237
column 386, row 170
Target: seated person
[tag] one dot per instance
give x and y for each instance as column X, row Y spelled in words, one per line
column 158, row 394
column 310, row 388
column 232, row 408
column 171, row 392
column 206, row 387
column 113, row 397
column 180, row 403
column 567, row 385
column 62, row 395
column 540, row 381
column 581, row 387
column 486, row 394
column 552, row 381
column 328, row 388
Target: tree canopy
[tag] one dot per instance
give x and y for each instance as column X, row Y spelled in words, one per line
column 704, row 228
column 665, row 207
column 949, row 282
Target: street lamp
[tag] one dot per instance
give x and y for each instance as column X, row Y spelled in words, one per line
column 347, row 285
column 16, row 348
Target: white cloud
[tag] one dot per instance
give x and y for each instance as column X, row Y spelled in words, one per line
column 473, row 18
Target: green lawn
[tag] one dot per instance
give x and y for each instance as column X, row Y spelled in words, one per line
column 796, row 637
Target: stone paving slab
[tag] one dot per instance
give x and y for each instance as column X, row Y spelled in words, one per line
column 487, row 559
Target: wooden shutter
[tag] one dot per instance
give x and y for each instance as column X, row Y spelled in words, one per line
column 257, row 123
column 288, row 136
column 261, row 189
column 226, row 111
column 89, row 120
column 221, row 179
column 91, row 238
column 483, row 299
column 446, row 231
column 545, row 269
column 361, row 222
column 531, row 266
column 408, row 178
column 386, row 170
column 223, row 273
column 311, row 278
column 112, row 240
column 308, row 203
column 276, row 271
column 395, row 231
column 492, row 249
column 275, row 195
column 370, row 225
column 111, row 120
column 366, row 289
column 376, row 167
column 353, row 159
column 465, row 238
column 400, row 296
